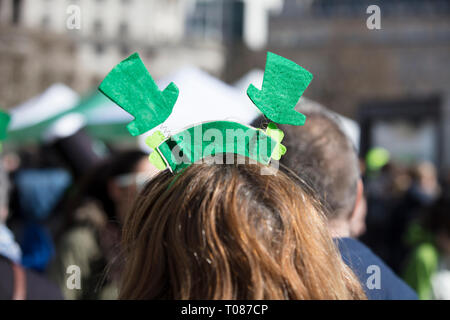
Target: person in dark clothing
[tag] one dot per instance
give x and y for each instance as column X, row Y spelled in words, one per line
column 378, row 280
column 18, row 283
column 95, row 214
column 322, row 154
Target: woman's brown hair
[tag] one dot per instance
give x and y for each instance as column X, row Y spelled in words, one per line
column 229, row 232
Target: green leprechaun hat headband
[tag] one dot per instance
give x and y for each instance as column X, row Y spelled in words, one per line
column 132, row 88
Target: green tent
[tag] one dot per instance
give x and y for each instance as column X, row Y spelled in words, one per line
column 103, row 120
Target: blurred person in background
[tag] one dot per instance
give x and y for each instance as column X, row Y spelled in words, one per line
column 428, row 269
column 40, row 182
column 425, row 187
column 97, row 210
column 37, row 192
column 386, row 184
column 9, row 248
column 225, row 231
column 17, row 282
column 422, row 192
column 322, row 154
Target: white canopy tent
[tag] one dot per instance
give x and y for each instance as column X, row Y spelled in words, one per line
column 203, row 98
column 56, row 99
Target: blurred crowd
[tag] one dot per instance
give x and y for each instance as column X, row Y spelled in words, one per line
column 408, row 223
column 65, row 204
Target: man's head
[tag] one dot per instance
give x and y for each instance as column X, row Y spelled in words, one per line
column 321, row 153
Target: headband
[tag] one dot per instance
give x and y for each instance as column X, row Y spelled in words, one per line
column 132, row 88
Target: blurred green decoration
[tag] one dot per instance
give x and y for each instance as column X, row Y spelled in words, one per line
column 133, row 89
column 5, row 118
column 376, row 158
column 423, row 261
column 96, row 110
column 283, row 84
column 420, row 269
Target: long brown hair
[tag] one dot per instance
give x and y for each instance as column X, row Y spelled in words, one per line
column 229, row 232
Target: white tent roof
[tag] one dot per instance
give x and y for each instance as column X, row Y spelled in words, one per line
column 56, row 99
column 254, row 76
column 203, row 98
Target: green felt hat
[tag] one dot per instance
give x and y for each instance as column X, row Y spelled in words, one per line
column 132, row 88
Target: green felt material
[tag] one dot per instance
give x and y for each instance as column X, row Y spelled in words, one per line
column 4, row 122
column 277, row 135
column 131, row 87
column 153, row 142
column 283, row 85
column 156, row 159
column 423, row 264
column 215, row 138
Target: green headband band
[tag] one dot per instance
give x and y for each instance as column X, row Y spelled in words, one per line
column 214, row 139
column 131, row 87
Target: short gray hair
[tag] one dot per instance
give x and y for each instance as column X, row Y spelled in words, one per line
column 322, row 154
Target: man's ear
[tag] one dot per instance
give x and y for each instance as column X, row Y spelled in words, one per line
column 358, row 216
column 359, row 196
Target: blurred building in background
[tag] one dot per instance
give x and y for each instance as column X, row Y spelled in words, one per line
column 406, row 60
column 408, row 56
column 401, row 67
column 167, row 33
